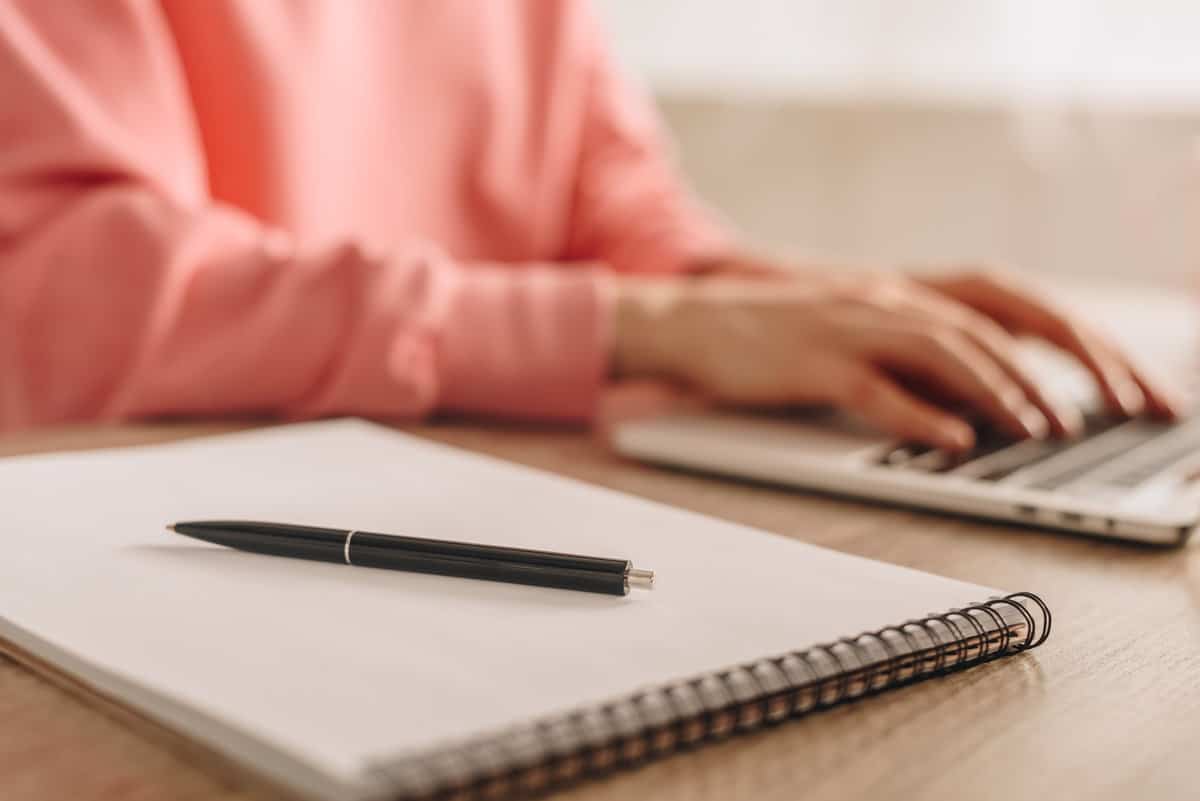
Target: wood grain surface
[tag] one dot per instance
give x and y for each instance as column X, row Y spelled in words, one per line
column 1109, row 708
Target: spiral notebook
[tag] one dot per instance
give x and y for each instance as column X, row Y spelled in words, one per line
column 351, row 683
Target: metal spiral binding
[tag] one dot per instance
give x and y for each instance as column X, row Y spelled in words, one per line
column 530, row 759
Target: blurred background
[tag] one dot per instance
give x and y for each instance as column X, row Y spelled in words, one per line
column 1060, row 138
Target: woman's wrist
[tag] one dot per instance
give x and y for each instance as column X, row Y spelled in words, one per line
column 647, row 316
column 661, row 324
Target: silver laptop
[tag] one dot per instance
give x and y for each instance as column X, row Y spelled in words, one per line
column 1128, row 479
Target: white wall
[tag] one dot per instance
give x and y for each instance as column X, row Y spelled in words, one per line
column 1136, row 51
column 1060, row 136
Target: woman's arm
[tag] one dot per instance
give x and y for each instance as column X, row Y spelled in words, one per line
column 126, row 291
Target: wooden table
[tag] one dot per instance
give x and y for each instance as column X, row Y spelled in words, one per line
column 1109, row 708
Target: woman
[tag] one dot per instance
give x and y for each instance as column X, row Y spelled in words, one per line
column 394, row 207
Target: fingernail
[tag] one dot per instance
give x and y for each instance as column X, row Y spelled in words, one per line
column 1130, row 396
column 1071, row 419
column 1178, row 404
column 1034, row 422
column 1030, row 421
column 957, row 436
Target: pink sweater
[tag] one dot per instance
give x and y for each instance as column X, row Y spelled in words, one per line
column 379, row 207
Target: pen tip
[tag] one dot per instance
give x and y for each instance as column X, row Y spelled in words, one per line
column 642, row 579
column 170, row 526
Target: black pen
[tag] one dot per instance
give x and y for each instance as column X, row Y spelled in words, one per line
column 418, row 555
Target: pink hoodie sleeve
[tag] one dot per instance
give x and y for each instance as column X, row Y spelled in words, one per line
column 631, row 209
column 126, row 291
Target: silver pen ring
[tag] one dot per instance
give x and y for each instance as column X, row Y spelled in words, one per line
column 346, row 547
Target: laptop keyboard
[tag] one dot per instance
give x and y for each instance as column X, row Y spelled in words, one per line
column 1113, row 452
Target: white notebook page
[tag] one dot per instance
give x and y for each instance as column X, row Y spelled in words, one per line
column 338, row 666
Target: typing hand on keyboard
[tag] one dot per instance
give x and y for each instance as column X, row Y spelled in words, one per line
column 861, row 342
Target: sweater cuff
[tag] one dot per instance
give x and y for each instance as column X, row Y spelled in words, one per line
column 527, row 344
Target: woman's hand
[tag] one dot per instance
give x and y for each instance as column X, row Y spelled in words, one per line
column 861, row 341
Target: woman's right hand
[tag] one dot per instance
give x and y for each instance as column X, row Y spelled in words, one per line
column 855, row 342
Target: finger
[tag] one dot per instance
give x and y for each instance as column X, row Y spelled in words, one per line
column 1121, row 391
column 1160, row 400
column 1018, row 310
column 968, row 373
column 1065, row 419
column 882, row 403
